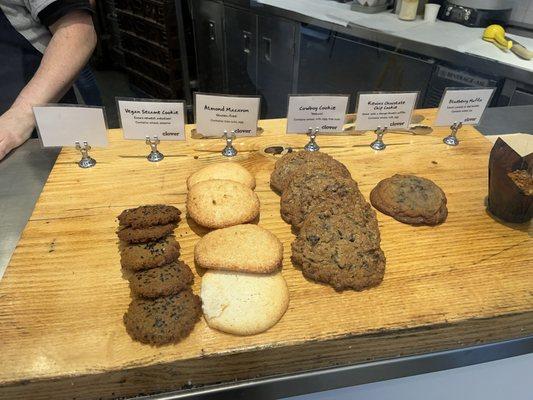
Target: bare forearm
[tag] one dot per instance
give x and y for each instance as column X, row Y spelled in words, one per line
column 69, row 50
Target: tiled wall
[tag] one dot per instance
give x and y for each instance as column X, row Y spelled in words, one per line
column 523, row 12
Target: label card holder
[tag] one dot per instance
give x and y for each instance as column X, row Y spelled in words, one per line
column 216, row 113
column 463, row 106
column 391, row 110
column 326, row 113
column 142, row 118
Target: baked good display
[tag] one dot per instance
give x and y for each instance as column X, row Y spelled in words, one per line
column 220, row 203
column 149, row 215
column 340, row 247
column 316, row 188
column 163, row 320
column 410, row 199
column 141, row 256
column 147, row 234
column 292, row 162
column 224, row 170
column 245, row 248
column 161, row 281
column 241, row 303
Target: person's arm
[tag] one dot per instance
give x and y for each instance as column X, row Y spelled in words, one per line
column 73, row 41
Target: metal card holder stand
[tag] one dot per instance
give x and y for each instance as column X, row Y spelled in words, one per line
column 378, row 144
column 312, row 145
column 229, row 150
column 451, row 139
column 86, row 160
column 155, row 155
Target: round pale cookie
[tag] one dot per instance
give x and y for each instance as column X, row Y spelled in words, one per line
column 410, row 199
column 146, row 216
column 223, row 170
column 245, row 248
column 163, row 320
column 140, row 256
column 161, row 281
column 220, row 203
column 241, row 303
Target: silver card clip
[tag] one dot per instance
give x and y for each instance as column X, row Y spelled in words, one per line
column 451, row 139
column 378, row 144
column 312, row 145
column 229, row 150
column 86, row 160
column 155, row 155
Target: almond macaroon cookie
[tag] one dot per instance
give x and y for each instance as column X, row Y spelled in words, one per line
column 220, row 203
column 224, row 170
column 244, row 248
column 241, row 303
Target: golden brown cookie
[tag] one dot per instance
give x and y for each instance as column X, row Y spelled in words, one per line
column 340, row 247
column 223, row 170
column 143, row 235
column 410, row 199
column 290, row 163
column 221, row 203
column 141, row 256
column 318, row 188
column 150, row 215
column 161, row 281
column 245, row 248
column 163, row 320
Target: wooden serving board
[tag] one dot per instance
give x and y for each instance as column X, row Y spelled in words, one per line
column 465, row 282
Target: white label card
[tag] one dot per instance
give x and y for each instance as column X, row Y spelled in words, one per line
column 466, row 106
column 141, row 118
column 327, row 113
column 214, row 114
column 60, row 125
column 385, row 110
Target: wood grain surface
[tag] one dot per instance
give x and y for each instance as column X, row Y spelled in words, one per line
column 465, row 282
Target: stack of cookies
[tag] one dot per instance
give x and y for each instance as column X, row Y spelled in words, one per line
column 164, row 308
column 338, row 240
column 243, row 291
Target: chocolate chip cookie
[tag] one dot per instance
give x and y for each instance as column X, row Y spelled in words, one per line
column 143, row 235
column 316, row 188
column 163, row 320
column 150, row 215
column 141, row 256
column 161, row 281
column 410, row 199
column 340, row 247
column 292, row 162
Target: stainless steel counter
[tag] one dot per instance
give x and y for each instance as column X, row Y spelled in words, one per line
column 455, row 57
column 22, row 177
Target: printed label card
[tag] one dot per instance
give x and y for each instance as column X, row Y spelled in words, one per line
column 145, row 117
column 216, row 113
column 327, row 113
column 463, row 105
column 63, row 125
column 385, row 110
